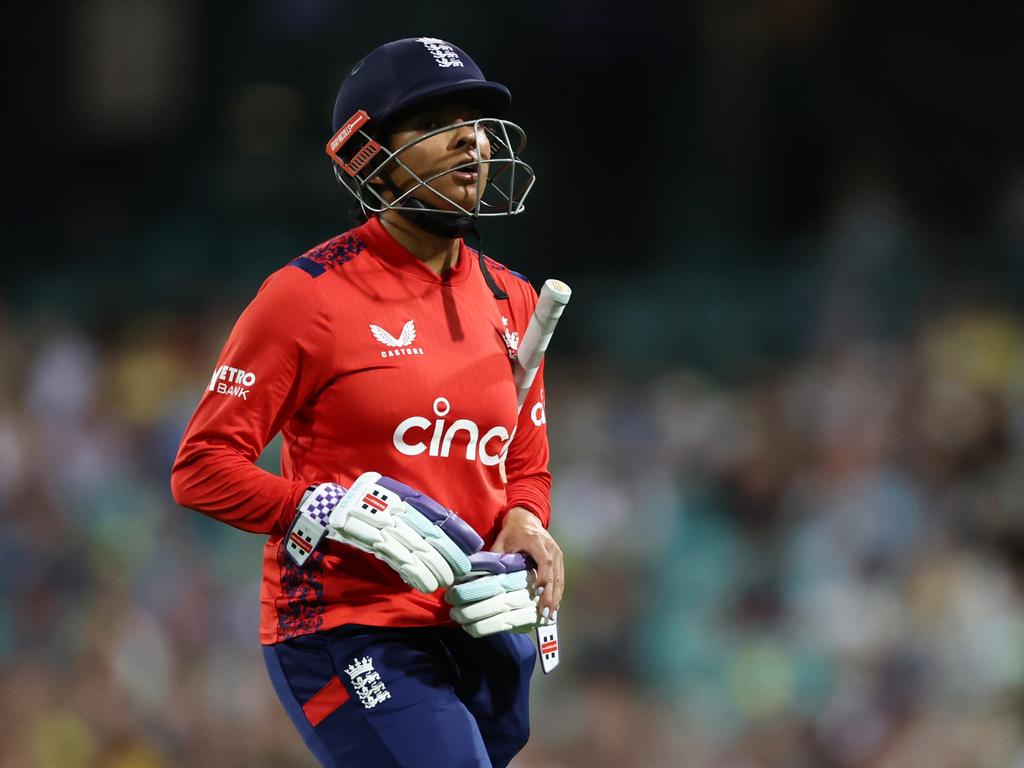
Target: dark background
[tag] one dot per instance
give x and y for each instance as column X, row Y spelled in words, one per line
column 786, row 401
column 692, row 163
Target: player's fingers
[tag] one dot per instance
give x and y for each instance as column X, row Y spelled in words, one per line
column 547, row 577
column 544, row 558
column 535, row 546
column 560, row 576
column 499, row 543
column 513, row 538
column 552, row 595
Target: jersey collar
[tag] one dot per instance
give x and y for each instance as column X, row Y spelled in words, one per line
column 388, row 250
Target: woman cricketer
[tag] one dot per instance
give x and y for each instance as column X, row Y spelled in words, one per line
column 393, row 633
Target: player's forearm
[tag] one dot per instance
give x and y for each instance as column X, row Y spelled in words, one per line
column 218, row 482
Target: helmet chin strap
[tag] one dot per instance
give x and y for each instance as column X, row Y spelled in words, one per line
column 481, row 260
column 449, row 225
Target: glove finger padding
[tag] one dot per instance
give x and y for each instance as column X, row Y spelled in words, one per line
column 485, row 587
column 448, row 533
column 419, row 565
column 495, row 597
column 454, row 558
column 426, row 544
column 492, row 606
column 515, row 611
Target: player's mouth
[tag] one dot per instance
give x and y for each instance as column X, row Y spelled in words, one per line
column 465, row 171
column 463, row 178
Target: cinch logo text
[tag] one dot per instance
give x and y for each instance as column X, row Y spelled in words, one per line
column 412, row 433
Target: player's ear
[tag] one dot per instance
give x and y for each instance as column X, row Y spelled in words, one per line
column 383, row 137
column 380, row 187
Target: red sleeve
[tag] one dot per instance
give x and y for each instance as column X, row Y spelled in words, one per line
column 526, row 465
column 277, row 356
column 529, row 482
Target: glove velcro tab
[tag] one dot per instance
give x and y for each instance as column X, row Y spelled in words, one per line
column 310, row 523
column 364, row 511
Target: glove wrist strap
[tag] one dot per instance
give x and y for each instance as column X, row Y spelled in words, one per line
column 310, row 524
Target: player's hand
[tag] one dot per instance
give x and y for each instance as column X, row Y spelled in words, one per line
column 523, row 532
column 496, row 596
column 427, row 545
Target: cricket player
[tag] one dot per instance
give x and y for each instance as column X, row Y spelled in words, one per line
column 392, row 630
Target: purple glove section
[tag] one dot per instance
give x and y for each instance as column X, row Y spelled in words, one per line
column 500, row 562
column 457, row 529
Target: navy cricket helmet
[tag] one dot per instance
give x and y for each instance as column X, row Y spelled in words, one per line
column 408, row 72
column 396, row 79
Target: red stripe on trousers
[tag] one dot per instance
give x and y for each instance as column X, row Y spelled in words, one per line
column 325, row 701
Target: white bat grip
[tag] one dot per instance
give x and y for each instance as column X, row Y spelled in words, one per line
column 554, row 295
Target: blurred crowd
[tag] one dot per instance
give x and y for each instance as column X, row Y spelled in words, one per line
column 823, row 566
column 818, row 565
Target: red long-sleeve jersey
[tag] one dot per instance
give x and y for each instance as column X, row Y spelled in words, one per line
column 366, row 360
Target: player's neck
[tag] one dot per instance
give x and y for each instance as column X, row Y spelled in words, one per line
column 437, row 253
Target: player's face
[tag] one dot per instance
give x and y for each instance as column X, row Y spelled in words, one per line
column 463, row 143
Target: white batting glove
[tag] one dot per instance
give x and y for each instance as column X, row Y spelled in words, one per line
column 496, row 596
column 426, row 544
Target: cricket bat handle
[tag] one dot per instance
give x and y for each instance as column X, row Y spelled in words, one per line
column 554, row 295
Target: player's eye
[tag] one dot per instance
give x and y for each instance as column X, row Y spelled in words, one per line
column 428, row 122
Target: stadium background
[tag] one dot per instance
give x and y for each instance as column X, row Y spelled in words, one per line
column 786, row 403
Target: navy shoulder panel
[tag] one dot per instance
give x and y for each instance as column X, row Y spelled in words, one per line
column 330, row 254
column 497, row 266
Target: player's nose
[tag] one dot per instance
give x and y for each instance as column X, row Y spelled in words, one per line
column 464, row 134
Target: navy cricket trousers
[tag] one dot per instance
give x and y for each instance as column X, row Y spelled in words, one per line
column 413, row 697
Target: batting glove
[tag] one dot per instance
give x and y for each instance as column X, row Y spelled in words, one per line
column 496, row 596
column 427, row 545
